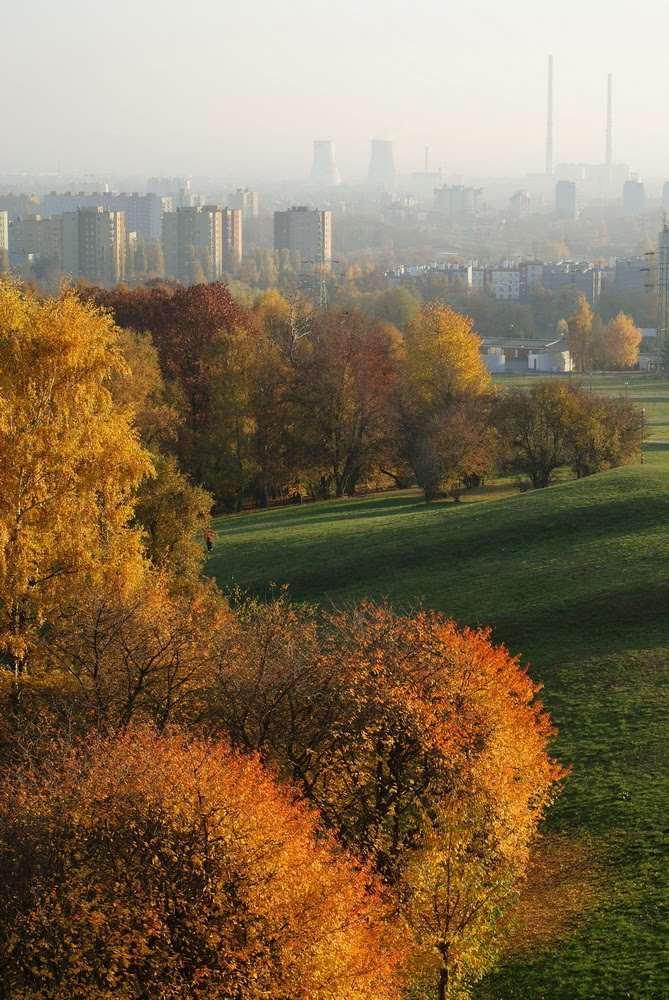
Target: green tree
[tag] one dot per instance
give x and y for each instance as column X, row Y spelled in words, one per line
column 172, row 513
column 535, row 427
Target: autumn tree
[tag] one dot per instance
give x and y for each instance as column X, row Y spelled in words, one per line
column 183, row 322
column 443, row 360
column 604, row 432
column 166, row 866
column 344, row 385
column 125, row 657
column 455, row 446
column 275, row 417
column 556, row 423
column 619, row 343
column 172, row 513
column 535, row 427
column 579, row 335
column 422, row 745
column 443, row 377
column 72, row 463
column 140, row 387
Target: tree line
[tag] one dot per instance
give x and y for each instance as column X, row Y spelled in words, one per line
column 286, row 401
column 210, row 797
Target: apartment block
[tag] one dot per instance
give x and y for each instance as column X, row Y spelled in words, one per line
column 143, row 212
column 305, row 231
column 94, row 245
column 34, row 236
column 204, row 240
column 4, row 230
column 582, row 276
column 565, row 200
column 456, row 201
column 246, row 201
column 634, row 198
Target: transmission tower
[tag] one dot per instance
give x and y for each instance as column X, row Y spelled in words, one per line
column 662, row 336
column 314, row 281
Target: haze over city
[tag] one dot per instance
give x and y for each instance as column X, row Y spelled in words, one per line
column 238, row 92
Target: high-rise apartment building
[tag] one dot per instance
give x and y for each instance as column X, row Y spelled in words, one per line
column 34, row 236
column 143, row 212
column 565, row 200
column 94, row 245
column 665, row 196
column 455, row 201
column 634, row 198
column 246, row 201
column 306, row 231
column 4, row 230
column 201, row 242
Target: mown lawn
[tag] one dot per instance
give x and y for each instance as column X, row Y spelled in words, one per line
column 576, row 579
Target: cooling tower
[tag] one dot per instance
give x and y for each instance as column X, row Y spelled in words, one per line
column 382, row 165
column 324, row 171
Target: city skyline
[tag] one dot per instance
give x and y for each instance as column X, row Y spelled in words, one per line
column 216, row 92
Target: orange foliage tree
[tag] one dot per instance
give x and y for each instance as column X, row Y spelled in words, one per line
column 423, row 746
column 164, row 866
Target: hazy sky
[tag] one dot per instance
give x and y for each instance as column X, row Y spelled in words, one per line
column 240, row 90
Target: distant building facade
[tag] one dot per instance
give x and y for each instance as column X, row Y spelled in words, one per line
column 514, row 282
column 584, row 277
column 455, row 201
column 34, row 236
column 93, row 242
column 505, row 283
column 19, row 204
column 520, row 205
column 4, row 230
column 633, row 275
column 565, row 200
column 143, row 212
column 201, row 242
column 634, row 198
column 246, row 201
column 305, row 231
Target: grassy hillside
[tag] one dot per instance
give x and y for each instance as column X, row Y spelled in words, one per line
column 576, row 578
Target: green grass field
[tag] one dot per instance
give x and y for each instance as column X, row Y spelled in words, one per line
column 576, row 579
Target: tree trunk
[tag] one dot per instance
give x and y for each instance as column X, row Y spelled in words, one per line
column 442, row 992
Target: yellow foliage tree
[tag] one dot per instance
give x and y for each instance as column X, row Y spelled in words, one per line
column 71, row 460
column 621, row 342
column 579, row 335
column 443, row 360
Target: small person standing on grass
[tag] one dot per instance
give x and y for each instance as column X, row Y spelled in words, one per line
column 210, row 538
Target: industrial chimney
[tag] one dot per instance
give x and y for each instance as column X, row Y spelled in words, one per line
column 549, row 121
column 324, row 171
column 608, row 125
column 382, row 165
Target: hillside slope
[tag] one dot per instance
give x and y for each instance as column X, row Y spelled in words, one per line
column 576, row 579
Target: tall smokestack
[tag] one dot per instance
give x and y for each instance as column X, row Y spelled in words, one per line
column 324, row 171
column 608, row 122
column 549, row 120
